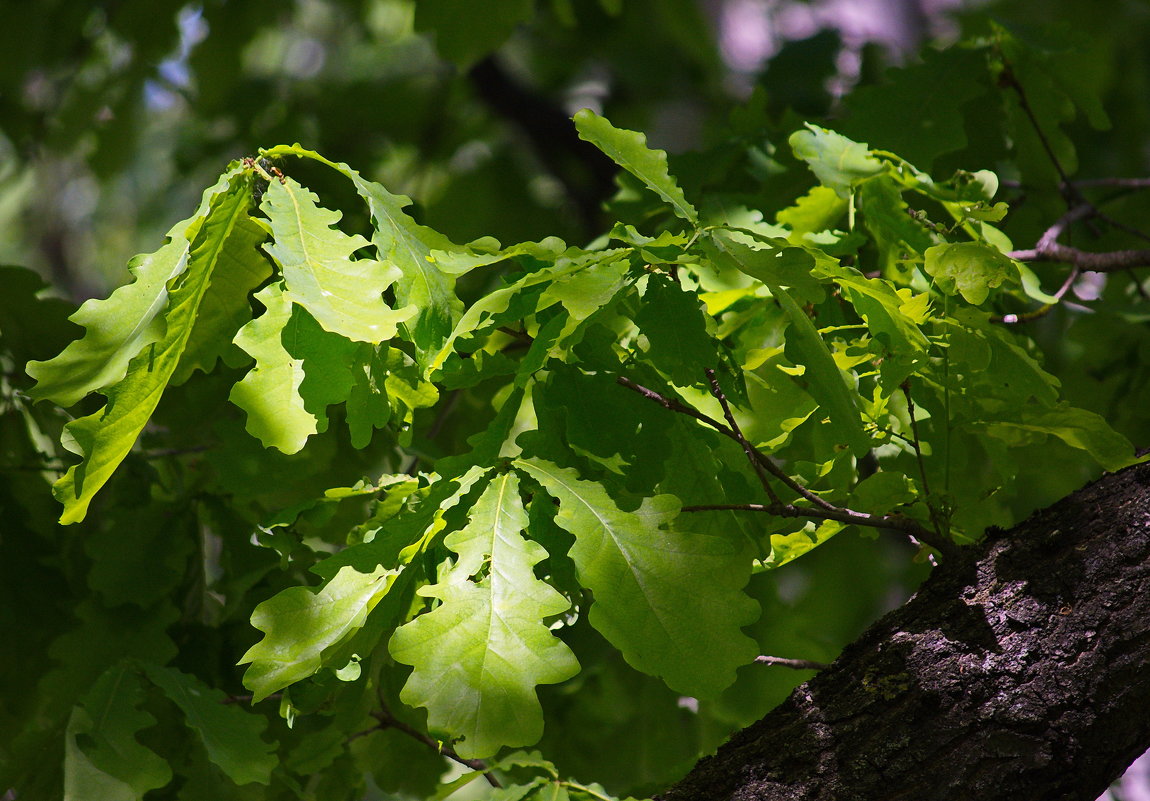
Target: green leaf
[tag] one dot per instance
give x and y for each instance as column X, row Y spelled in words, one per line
column 789, row 547
column 231, row 735
column 270, row 392
column 302, row 626
column 670, row 600
column 676, row 331
column 329, row 363
column 133, row 316
column 817, row 210
column 969, row 268
column 881, row 492
column 408, row 246
column 1078, row 428
column 825, row 381
column 480, row 653
column 629, row 150
column 367, row 405
column 103, row 760
column 343, row 294
column 103, row 439
column 226, row 306
column 838, row 162
column 499, row 300
column 774, row 263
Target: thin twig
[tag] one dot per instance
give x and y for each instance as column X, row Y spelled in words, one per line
column 387, row 721
column 1048, row 248
column 1108, row 262
column 675, row 406
column 794, row 664
column 1007, row 77
column 748, row 449
column 905, row 525
column 1044, row 309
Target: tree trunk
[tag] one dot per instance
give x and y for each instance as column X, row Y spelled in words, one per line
column 1020, row 670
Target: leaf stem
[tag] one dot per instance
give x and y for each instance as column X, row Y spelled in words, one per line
column 916, row 443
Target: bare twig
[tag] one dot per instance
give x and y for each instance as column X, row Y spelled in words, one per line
column 1044, row 309
column 673, row 405
column 794, row 664
column 1049, row 248
column 915, row 443
column 905, row 525
column 1108, row 262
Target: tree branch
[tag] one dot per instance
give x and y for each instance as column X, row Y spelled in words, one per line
column 825, row 511
column 1016, row 672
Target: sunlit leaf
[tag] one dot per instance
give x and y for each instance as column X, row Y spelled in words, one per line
column 629, row 150
column 479, row 654
column 968, row 268
column 133, row 317
column 669, row 599
column 837, row 161
column 343, row 294
column 301, row 626
column 269, row 393
column 103, row 439
column 408, row 246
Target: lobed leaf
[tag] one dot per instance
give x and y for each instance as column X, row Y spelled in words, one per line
column 302, row 626
column 102, row 757
column 671, row 601
column 968, row 268
column 838, row 162
column 480, row 653
column 676, row 331
column 226, row 306
column 269, row 393
column 132, row 317
column 629, row 150
column 408, row 246
column 103, row 439
column 343, row 294
column 232, row 736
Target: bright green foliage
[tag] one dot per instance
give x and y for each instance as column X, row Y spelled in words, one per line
column 302, row 627
column 343, row 294
column 408, row 246
column 837, row 161
column 269, row 393
column 968, row 268
column 629, row 150
column 485, row 496
column 667, row 598
column 479, row 654
column 101, row 357
column 103, row 439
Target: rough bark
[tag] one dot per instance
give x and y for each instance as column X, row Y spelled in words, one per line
column 1020, row 670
